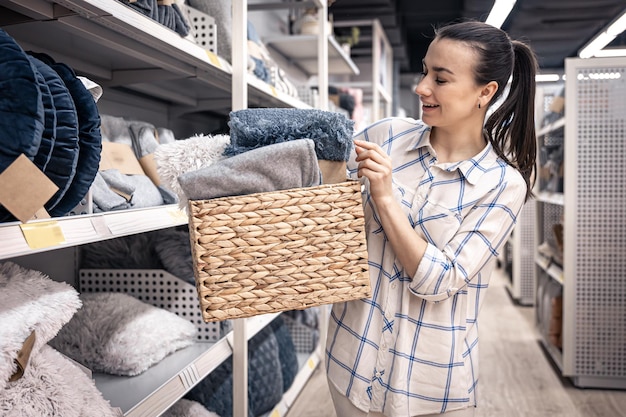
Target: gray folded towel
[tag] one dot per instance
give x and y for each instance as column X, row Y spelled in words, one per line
column 105, row 199
column 274, row 167
column 253, row 128
column 142, row 190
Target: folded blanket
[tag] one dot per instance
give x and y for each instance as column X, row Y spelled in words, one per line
column 275, row 167
column 142, row 190
column 186, row 155
column 253, row 128
column 105, row 199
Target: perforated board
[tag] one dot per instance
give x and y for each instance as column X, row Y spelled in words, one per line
column 525, row 228
column 595, row 214
column 156, row 287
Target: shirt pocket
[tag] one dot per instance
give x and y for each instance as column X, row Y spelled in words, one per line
column 435, row 223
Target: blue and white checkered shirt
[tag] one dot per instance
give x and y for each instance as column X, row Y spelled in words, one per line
column 412, row 348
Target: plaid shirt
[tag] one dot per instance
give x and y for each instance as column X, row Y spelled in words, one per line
column 412, row 348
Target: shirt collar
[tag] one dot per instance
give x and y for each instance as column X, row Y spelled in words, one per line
column 471, row 169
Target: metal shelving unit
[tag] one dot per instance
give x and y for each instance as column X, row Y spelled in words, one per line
column 591, row 274
column 125, row 51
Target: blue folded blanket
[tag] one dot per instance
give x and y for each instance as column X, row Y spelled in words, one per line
column 254, row 128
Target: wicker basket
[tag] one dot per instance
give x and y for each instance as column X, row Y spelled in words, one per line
column 276, row 251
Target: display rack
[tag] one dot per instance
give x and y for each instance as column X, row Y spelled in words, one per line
column 130, row 54
column 522, row 245
column 590, row 274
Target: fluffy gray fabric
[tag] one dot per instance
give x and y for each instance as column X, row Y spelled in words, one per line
column 118, row 334
column 139, row 135
column 274, row 167
column 30, row 300
column 143, row 191
column 52, row 385
column 104, row 198
column 126, row 252
column 188, row 408
column 252, row 128
column 182, row 156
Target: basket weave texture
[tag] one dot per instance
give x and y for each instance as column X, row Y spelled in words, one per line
column 276, row 251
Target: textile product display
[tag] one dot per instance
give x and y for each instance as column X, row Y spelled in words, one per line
column 269, row 168
column 140, row 188
column 21, row 106
column 126, row 252
column 50, row 123
column 221, row 11
column 188, row 408
column 265, row 381
column 186, row 155
column 173, row 249
column 89, row 137
column 105, row 199
column 30, row 301
column 253, row 128
column 139, row 135
column 119, row 334
column 53, row 385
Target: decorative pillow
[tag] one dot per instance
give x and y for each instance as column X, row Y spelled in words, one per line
column 52, row 385
column 89, row 137
column 186, row 155
column 50, row 123
column 21, row 108
column 118, row 334
column 286, row 352
column 30, row 300
column 174, row 250
column 61, row 166
column 188, row 408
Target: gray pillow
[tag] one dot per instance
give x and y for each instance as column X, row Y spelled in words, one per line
column 119, row 334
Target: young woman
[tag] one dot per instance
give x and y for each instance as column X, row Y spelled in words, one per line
column 442, row 195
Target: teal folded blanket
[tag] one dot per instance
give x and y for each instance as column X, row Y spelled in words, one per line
column 253, row 128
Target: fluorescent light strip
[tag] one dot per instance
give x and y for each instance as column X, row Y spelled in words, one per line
column 499, row 12
column 602, row 39
column 547, row 78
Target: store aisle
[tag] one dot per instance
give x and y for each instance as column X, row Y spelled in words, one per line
column 517, row 379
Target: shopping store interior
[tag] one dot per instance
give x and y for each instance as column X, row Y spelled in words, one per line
column 125, row 106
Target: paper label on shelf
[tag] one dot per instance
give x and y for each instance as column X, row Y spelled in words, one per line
column 100, row 226
column 273, row 90
column 214, row 59
column 178, row 216
column 43, row 234
column 120, row 156
column 24, row 189
column 311, row 364
column 275, row 413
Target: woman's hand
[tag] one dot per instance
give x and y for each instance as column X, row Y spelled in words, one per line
column 375, row 165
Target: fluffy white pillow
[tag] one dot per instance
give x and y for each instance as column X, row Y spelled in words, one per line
column 52, row 385
column 118, row 334
column 186, row 155
column 188, row 408
column 30, row 300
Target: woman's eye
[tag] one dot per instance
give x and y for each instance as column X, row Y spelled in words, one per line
column 438, row 81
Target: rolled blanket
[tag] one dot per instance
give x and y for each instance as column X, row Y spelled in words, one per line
column 275, row 167
column 254, row 128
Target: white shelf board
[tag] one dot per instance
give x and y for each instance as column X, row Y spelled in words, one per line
column 158, row 388
column 551, row 198
column 302, row 50
column 82, row 229
column 554, row 271
column 557, row 124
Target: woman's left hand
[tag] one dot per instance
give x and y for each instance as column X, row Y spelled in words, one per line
column 375, row 165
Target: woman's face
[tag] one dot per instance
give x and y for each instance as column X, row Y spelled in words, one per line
column 447, row 89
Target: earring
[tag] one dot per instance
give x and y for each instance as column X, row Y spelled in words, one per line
column 479, row 105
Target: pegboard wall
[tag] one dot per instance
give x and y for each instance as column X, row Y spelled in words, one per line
column 599, row 244
column 525, row 228
column 156, row 287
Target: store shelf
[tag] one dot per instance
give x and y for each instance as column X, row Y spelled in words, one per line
column 119, row 47
column 47, row 234
column 301, row 50
column 555, row 354
column 551, row 198
column 154, row 391
column 558, row 124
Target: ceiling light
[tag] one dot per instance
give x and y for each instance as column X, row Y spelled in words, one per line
column 547, row 78
column 611, row 52
column 594, row 46
column 499, row 12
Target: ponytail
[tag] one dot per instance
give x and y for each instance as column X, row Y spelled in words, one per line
column 511, row 128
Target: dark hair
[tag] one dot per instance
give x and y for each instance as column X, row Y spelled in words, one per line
column 511, row 127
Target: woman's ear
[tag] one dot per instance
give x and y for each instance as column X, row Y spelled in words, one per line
column 488, row 91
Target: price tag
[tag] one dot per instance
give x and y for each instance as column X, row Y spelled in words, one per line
column 311, row 364
column 42, row 235
column 275, row 413
column 273, row 90
column 214, row 59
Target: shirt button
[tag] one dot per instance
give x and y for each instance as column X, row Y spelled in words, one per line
column 378, row 374
column 394, row 285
